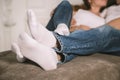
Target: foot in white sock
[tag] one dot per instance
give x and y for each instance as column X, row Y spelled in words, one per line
column 62, row 29
column 44, row 56
column 16, row 50
column 39, row 32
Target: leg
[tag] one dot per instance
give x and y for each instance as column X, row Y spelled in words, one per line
column 39, row 32
column 103, row 39
column 44, row 56
column 85, row 42
column 63, row 19
column 62, row 14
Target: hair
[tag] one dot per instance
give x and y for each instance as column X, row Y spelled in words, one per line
column 86, row 5
column 109, row 3
column 76, row 7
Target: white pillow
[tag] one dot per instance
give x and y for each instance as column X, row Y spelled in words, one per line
column 76, row 2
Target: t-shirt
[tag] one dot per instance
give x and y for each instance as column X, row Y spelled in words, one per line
column 87, row 18
column 112, row 13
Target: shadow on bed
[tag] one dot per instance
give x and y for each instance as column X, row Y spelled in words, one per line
column 93, row 67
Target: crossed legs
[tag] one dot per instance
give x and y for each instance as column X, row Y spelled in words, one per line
column 40, row 47
column 44, row 56
column 42, row 39
column 39, row 32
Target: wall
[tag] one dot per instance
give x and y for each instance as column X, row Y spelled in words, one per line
column 12, row 21
column 13, row 17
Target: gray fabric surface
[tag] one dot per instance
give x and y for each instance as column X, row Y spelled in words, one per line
column 93, row 67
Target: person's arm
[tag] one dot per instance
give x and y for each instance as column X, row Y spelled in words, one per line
column 74, row 27
column 83, row 27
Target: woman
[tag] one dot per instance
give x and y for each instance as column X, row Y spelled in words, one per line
column 80, row 42
column 92, row 9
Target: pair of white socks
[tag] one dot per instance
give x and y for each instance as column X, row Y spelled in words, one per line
column 26, row 47
column 38, row 49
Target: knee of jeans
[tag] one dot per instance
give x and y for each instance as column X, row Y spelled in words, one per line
column 66, row 3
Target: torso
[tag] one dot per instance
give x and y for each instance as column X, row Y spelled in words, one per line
column 87, row 18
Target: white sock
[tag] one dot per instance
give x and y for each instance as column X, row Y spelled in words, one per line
column 44, row 56
column 62, row 29
column 39, row 32
column 19, row 55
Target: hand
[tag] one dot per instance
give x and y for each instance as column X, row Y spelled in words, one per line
column 83, row 27
column 73, row 28
column 73, row 21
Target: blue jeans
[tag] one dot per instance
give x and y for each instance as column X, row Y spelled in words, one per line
column 62, row 14
column 104, row 39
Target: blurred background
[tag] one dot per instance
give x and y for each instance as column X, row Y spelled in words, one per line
column 13, row 17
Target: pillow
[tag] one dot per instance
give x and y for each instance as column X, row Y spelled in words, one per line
column 76, row 2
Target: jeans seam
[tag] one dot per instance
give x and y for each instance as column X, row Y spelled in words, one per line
column 60, row 42
column 60, row 50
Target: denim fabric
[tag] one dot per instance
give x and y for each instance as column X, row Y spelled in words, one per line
column 62, row 14
column 104, row 39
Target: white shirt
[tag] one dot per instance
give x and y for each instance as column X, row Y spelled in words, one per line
column 112, row 13
column 87, row 18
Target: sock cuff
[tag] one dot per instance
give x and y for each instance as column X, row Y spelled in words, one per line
column 62, row 24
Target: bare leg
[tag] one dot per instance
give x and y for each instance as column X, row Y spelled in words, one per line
column 115, row 23
column 44, row 56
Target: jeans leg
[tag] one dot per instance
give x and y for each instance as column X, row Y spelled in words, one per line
column 102, row 39
column 62, row 14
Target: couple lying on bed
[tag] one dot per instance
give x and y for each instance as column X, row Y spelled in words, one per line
column 55, row 44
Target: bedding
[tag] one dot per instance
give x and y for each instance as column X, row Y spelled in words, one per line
column 94, row 67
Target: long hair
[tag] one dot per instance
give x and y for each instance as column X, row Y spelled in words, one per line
column 109, row 3
column 86, row 5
